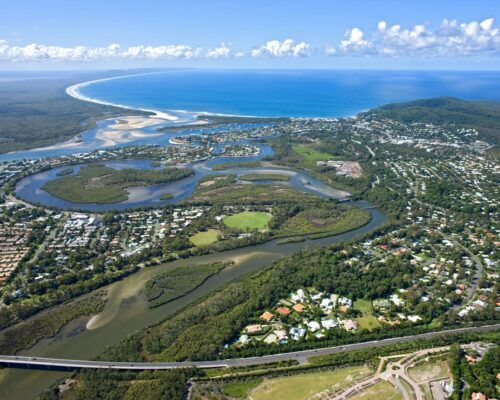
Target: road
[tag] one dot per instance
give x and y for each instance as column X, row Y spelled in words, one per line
column 301, row 356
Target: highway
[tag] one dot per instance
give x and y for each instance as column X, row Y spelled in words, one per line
column 301, row 356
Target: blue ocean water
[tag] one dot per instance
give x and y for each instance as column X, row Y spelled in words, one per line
column 290, row 93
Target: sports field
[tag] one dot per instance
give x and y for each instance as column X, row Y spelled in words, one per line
column 248, row 220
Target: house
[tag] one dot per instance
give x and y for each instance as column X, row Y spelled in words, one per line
column 297, row 333
column 313, row 326
column 478, row 396
column 349, row 325
column 267, row 316
column 244, row 339
column 271, row 338
column 283, row 310
column 299, row 307
column 281, row 335
column 253, row 329
column 329, row 323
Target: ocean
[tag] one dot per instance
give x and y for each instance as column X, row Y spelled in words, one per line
column 289, row 93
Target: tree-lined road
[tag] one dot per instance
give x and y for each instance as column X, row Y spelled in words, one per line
column 301, row 356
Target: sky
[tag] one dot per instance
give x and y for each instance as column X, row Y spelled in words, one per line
column 370, row 34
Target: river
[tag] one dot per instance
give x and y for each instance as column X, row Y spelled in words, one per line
column 126, row 309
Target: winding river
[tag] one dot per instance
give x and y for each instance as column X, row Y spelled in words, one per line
column 126, row 310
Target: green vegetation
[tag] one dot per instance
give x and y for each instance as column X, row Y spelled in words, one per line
column 26, row 334
column 367, row 320
column 236, row 164
column 248, row 220
column 264, row 177
column 96, row 183
column 310, row 154
column 167, row 196
column 482, row 115
column 239, row 389
column 205, row 238
column 170, row 285
column 381, row 390
column 480, row 377
column 250, row 194
column 330, row 220
column 38, row 112
column 65, row 171
column 304, row 386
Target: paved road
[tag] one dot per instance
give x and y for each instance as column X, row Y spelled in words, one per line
column 55, row 363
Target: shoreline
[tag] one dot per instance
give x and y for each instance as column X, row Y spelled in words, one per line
column 73, row 91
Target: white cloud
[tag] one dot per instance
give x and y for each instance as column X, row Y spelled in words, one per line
column 286, row 48
column 450, row 38
column 38, row 52
column 220, row 52
column 354, row 42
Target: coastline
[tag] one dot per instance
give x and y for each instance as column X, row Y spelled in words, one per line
column 74, row 91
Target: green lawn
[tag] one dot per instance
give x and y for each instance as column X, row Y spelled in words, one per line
column 368, row 322
column 381, row 390
column 248, row 220
column 239, row 390
column 304, row 386
column 365, row 306
column 309, row 154
column 205, row 238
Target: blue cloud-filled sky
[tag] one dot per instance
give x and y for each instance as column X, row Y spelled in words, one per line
column 423, row 34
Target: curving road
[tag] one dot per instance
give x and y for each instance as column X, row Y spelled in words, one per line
column 301, row 356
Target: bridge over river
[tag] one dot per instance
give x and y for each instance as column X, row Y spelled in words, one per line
column 301, row 356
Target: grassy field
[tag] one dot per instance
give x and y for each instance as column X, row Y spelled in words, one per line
column 367, row 320
column 97, row 183
column 264, row 177
column 248, row 220
column 333, row 220
column 239, row 390
column 205, row 238
column 427, row 371
column 309, row 154
column 381, row 390
column 365, row 306
column 170, row 285
column 304, row 386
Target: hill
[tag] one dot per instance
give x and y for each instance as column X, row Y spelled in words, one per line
column 482, row 115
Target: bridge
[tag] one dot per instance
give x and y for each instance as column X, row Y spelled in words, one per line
column 300, row 356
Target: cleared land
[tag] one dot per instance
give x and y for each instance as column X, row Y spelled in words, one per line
column 310, row 154
column 171, row 285
column 248, row 220
column 97, row 183
column 303, row 386
column 205, row 238
column 264, row 177
column 381, row 390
